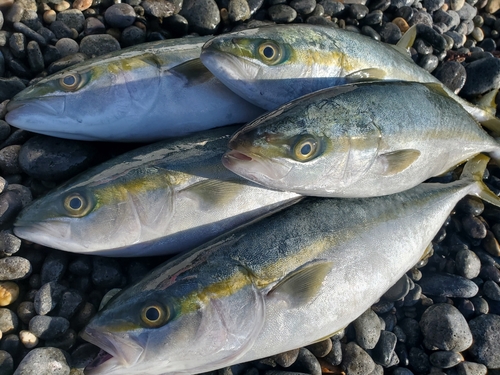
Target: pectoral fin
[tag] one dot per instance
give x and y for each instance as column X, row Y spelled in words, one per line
column 395, row 162
column 213, row 192
column 370, row 74
column 406, row 41
column 193, row 71
column 303, row 284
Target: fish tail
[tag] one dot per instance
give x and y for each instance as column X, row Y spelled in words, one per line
column 474, row 170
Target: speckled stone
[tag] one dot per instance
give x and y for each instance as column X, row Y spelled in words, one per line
column 356, row 361
column 467, row 264
column 120, row 15
column 445, row 328
column 367, row 327
column 486, row 333
column 44, row 361
column 97, row 45
column 8, row 321
column 202, row 15
column 14, row 268
column 48, row 327
column 471, row 368
column 448, row 285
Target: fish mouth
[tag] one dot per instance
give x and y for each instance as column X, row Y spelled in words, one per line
column 115, row 353
column 253, row 167
column 45, row 105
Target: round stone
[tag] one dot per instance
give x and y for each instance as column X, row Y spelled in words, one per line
column 321, row 349
column 106, row 273
column 203, row 16
column 44, row 361
column 82, row 5
column 47, row 297
column 286, row 359
column 238, row 10
column 28, row 339
column 14, row 268
column 120, row 15
column 448, row 285
column 445, row 328
column 48, row 327
column 6, row 363
column 482, row 76
column 384, row 350
column 67, row 46
column 303, row 7
column 367, row 327
column 355, row 360
column 72, row 18
column 486, row 333
column 26, row 311
column 282, row 13
column 467, row 264
column 491, row 290
column 9, row 160
column 9, row 291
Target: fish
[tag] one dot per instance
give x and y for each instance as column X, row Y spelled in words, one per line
column 143, row 93
column 159, row 199
column 270, row 66
column 289, row 280
column 358, row 140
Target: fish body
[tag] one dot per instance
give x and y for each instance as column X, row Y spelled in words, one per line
column 143, row 93
column 358, row 140
column 281, row 283
column 273, row 65
column 159, row 199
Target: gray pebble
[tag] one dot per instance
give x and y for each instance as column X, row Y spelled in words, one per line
column 367, row 327
column 83, row 316
column 54, row 266
column 67, row 46
column 448, row 285
column 15, row 13
column 177, row 24
column 432, row 5
column 303, row 7
column 419, row 360
column 445, row 328
column 132, row 35
column 474, row 226
column 11, row 344
column 390, row 33
column 48, row 327
column 356, row 361
column 384, row 350
column 401, row 371
column 491, row 290
column 335, row 356
column 203, row 16
column 471, row 368
column 8, row 321
column 10, row 87
column 286, row 359
column 467, row 12
column 97, row 45
column 469, row 205
column 61, row 30
column 35, row 57
column 50, row 54
column 480, row 305
column 71, row 301
column 429, row 62
column 14, row 268
column 106, row 273
column 486, row 333
column 489, row 272
column 456, row 5
column 9, row 244
column 158, row 8
column 9, row 157
column 73, row 18
column 482, row 76
column 6, row 363
column 81, row 266
column 17, row 44
column 411, row 329
column 44, row 361
column 399, row 290
column 29, row 33
column 307, row 363
column 93, row 26
column 445, row 359
column 467, row 264
column 26, row 311
column 83, row 355
column 332, row 8
column 55, row 159
column 358, row 11
column 47, row 297
column 238, row 10
column 120, row 15
column 320, row 349
column 282, row 13
column 490, row 244
column 413, row 296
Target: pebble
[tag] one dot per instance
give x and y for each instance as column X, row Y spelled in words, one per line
column 445, row 328
column 9, row 291
column 82, row 5
column 202, row 15
column 73, row 18
column 286, row 359
column 445, row 359
column 8, row 321
column 47, row 297
column 158, row 8
column 390, row 33
column 306, row 363
column 28, row 339
column 367, row 327
column 429, row 62
column 67, row 46
column 491, row 290
column 48, row 327
column 321, row 349
column 356, row 361
column 10, row 87
column 282, row 13
column 26, row 311
column 471, row 368
column 490, row 244
column 83, row 355
column 482, row 76
column 384, row 350
column 60, row 30
column 44, row 361
column 467, row 264
column 303, row 7
column 448, row 285
column 35, row 57
column 6, row 363
column 14, row 268
column 486, row 334
column 106, row 273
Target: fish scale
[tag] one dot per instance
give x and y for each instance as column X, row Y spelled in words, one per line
column 278, row 284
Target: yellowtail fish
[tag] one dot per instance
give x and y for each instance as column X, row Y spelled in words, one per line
column 163, row 198
column 265, row 288
column 144, row 93
column 270, row 66
column 358, row 140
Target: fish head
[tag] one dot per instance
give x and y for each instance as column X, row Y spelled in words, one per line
column 81, row 99
column 174, row 321
column 311, row 145
column 99, row 214
column 270, row 66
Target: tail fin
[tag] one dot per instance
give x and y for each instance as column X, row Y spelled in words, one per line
column 474, row 171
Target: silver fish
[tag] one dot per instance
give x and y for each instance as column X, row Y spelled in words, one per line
column 281, row 283
column 358, row 140
column 163, row 198
column 270, row 66
column 143, row 93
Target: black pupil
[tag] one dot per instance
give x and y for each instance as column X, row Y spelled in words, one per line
column 152, row 314
column 75, row 203
column 69, row 80
column 268, row 52
column 306, row 149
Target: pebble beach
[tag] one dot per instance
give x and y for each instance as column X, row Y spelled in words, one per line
column 442, row 317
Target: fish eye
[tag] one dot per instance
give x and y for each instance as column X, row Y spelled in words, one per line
column 305, row 149
column 270, row 53
column 76, row 205
column 154, row 315
column 70, row 82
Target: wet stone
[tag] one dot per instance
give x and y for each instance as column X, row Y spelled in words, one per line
column 390, row 33
column 8, row 321
column 10, row 87
column 158, row 8
column 422, row 46
column 445, row 328
column 303, row 7
column 367, row 327
column 467, row 264
column 356, row 360
column 445, row 359
column 413, row 296
column 384, row 350
column 47, row 297
column 282, row 13
column 429, row 62
column 490, row 272
column 332, row 7
column 469, row 205
column 44, row 361
column 177, row 24
column 426, row 32
column 203, row 16
column 321, row 349
column 373, row 18
column 358, row 11
column 14, row 268
column 486, row 333
column 67, row 46
column 61, row 30
column 6, row 363
column 238, row 10
column 474, row 227
column 482, row 75
column 120, row 15
column 448, row 285
column 490, row 244
column 73, row 18
column 48, row 327
column 471, row 368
